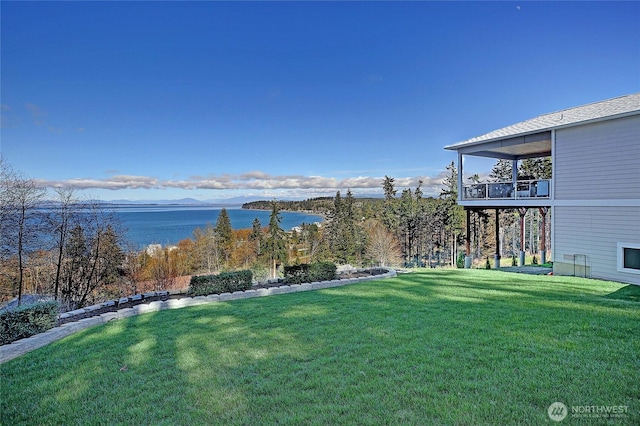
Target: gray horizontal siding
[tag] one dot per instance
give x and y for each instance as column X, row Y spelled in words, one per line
column 595, row 232
column 598, row 161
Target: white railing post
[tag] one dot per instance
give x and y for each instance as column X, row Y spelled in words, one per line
column 460, row 180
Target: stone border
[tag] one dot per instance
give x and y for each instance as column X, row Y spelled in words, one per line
column 22, row 346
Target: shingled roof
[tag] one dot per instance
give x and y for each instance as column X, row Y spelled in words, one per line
column 621, row 106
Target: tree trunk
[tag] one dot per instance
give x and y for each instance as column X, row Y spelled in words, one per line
column 531, row 231
column 275, row 268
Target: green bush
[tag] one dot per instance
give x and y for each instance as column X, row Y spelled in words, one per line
column 322, row 271
column 487, row 265
column 296, row 274
column 460, row 260
column 222, row 283
column 260, row 271
column 28, row 320
column 308, row 273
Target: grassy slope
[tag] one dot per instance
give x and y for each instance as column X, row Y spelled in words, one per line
column 435, row 347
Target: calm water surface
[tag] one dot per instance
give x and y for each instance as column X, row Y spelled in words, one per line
column 169, row 224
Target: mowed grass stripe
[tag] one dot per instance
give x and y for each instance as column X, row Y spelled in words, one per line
column 430, row 347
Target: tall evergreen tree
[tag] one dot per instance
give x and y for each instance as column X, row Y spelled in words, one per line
column 408, row 215
column 428, row 228
column 388, row 188
column 536, row 168
column 353, row 229
column 502, row 171
column 389, row 211
column 224, row 236
column 256, row 236
column 412, row 222
column 335, row 230
column 345, row 234
column 275, row 244
column 454, row 213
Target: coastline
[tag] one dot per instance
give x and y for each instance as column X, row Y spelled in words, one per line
column 168, row 225
column 307, row 212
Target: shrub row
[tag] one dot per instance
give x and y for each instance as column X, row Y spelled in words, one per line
column 308, row 273
column 28, row 320
column 215, row 284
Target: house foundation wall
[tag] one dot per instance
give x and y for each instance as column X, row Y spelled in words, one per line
column 586, row 240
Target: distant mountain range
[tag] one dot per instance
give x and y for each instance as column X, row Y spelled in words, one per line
column 234, row 201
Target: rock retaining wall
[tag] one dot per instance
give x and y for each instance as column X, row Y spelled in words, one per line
column 81, row 319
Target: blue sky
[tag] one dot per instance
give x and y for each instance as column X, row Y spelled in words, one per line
column 212, row 100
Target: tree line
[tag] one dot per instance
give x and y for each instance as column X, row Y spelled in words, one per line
column 75, row 250
column 407, row 229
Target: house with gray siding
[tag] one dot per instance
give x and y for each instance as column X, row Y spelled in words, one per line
column 593, row 195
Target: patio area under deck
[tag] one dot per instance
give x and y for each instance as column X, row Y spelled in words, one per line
column 537, row 138
column 521, row 194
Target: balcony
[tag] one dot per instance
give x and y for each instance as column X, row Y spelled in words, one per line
column 520, row 190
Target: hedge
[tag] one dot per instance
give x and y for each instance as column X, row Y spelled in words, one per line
column 28, row 320
column 308, row 273
column 215, row 284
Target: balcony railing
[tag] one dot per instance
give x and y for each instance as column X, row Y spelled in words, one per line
column 522, row 189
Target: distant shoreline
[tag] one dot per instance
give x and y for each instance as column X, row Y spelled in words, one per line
column 307, row 212
column 167, row 225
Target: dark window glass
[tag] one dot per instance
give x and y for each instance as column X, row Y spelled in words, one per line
column 631, row 258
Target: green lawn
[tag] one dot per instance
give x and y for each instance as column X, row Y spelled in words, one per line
column 464, row 347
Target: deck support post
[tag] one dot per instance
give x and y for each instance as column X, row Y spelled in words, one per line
column 467, row 257
column 522, row 211
column 496, row 257
column 461, row 193
column 543, row 235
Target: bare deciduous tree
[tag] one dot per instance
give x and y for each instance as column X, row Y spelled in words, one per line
column 163, row 268
column 207, row 249
column 61, row 218
column 382, row 246
column 93, row 255
column 133, row 267
column 20, row 219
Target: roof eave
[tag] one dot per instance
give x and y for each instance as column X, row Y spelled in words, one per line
column 460, row 145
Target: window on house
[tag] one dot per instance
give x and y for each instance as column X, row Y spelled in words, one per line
column 629, row 258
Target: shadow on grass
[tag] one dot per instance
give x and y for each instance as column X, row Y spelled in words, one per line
column 504, row 285
column 629, row 293
column 384, row 352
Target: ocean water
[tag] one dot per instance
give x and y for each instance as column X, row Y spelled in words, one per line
column 168, row 225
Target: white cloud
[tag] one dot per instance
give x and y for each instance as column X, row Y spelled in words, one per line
column 253, row 181
column 37, row 113
column 113, row 183
column 8, row 119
